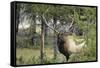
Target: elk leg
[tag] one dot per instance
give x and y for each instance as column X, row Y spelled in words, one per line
column 67, row 57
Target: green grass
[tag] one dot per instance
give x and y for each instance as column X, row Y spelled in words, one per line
column 27, row 56
column 31, row 54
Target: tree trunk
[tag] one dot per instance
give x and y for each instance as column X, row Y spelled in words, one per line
column 34, row 32
column 34, row 26
column 42, row 41
column 55, row 40
column 46, row 28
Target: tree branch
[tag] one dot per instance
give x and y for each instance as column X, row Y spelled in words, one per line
column 46, row 21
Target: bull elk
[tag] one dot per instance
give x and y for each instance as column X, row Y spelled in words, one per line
column 65, row 42
column 67, row 45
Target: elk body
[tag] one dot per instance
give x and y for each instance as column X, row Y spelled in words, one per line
column 67, row 45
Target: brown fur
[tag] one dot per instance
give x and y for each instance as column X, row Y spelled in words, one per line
column 62, row 46
column 67, row 45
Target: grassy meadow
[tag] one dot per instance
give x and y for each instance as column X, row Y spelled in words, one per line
column 31, row 56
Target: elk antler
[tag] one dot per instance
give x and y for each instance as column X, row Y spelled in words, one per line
column 71, row 23
column 46, row 21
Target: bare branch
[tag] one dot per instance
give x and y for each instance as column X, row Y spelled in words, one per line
column 46, row 21
column 48, row 25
